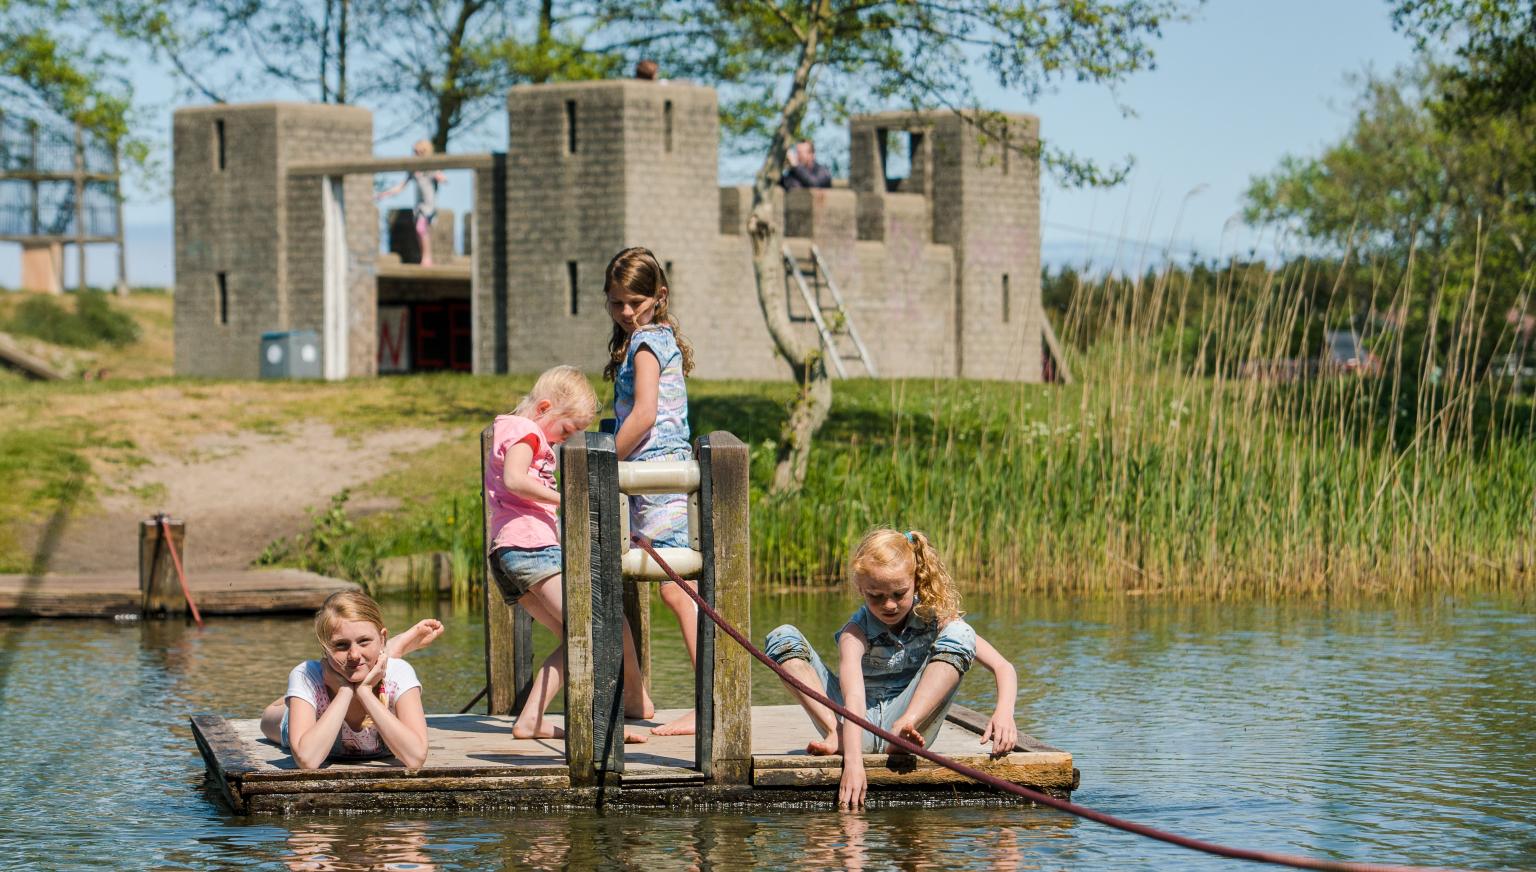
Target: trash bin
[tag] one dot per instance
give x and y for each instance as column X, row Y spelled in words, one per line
column 290, row 354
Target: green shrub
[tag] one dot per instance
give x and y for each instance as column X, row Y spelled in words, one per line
column 93, row 322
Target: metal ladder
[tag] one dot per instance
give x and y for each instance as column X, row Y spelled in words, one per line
column 842, row 324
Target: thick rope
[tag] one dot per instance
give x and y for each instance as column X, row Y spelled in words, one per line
column 165, row 533
column 1295, row 861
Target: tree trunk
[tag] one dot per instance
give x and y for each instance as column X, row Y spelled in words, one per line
column 546, row 25
column 805, row 360
column 341, row 54
column 325, row 53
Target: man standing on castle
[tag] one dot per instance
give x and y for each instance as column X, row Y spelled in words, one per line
column 803, row 170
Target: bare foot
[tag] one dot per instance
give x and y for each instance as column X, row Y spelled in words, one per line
column 633, row 738
column 545, row 730
column 822, row 747
column 683, row 726
column 416, row 638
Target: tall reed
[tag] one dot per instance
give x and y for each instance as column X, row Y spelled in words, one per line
column 1176, row 464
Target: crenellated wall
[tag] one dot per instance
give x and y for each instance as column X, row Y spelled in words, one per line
column 939, row 271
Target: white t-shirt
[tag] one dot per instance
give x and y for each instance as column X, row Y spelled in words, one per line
column 307, row 682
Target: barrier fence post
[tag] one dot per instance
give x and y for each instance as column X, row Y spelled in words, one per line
column 607, row 604
column 576, row 573
column 508, row 629
column 160, row 594
column 723, row 689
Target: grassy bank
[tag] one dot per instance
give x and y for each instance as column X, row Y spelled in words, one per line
column 1161, row 470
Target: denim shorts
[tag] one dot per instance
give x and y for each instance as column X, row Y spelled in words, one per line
column 519, row 570
column 788, row 643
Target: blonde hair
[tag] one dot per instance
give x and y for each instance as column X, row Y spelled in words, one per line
column 567, row 390
column 937, row 597
column 636, row 271
column 346, row 605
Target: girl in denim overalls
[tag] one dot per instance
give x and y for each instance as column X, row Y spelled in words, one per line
column 902, row 656
column 648, row 361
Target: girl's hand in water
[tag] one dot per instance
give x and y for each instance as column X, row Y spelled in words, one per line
column 1002, row 732
column 853, row 785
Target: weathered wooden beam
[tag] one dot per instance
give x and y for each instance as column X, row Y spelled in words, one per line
column 159, row 589
column 607, row 604
column 723, row 691
column 225, row 757
column 576, row 551
column 28, row 364
column 1042, row 770
column 408, row 164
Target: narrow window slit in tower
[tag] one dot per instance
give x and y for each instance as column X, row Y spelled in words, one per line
column 222, row 302
column 570, row 127
column 570, row 278
column 218, row 137
column 666, row 124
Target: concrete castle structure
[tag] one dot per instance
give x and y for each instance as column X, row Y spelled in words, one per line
column 276, row 229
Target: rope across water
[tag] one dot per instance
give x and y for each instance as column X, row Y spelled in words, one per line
column 1295, row 861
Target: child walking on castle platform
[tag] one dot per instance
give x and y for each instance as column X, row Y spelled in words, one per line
column 525, row 549
column 648, row 362
column 900, row 658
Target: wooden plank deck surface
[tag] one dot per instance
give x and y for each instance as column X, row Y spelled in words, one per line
column 222, row 592
column 474, row 761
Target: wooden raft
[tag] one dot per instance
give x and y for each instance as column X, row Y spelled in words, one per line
column 475, row 763
column 106, row 595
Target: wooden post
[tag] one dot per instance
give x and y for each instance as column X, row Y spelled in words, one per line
column 723, row 689
column 158, row 586
column 508, row 630
column 607, row 591
column 579, row 546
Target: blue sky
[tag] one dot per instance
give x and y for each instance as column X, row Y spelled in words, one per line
column 1244, row 83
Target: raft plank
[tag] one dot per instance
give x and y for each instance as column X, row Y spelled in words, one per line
column 779, row 759
column 225, row 754
column 474, row 762
column 217, row 592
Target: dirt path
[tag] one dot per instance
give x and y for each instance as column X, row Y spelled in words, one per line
column 237, row 492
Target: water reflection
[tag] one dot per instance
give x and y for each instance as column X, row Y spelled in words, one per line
column 395, row 845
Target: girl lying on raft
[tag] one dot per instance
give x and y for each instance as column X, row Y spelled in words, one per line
column 359, row 699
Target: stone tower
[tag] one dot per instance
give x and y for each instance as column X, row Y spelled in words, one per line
column 982, row 185
column 250, row 252
column 594, row 167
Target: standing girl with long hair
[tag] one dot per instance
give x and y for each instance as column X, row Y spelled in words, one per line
column 648, row 364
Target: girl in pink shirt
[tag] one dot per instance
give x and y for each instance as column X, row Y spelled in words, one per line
column 525, row 549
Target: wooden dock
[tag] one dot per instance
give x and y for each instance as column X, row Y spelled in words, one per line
column 108, row 595
column 475, row 763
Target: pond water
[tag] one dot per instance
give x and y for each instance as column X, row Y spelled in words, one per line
column 1376, row 731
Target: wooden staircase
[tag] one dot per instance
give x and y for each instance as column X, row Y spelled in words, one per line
column 810, row 276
